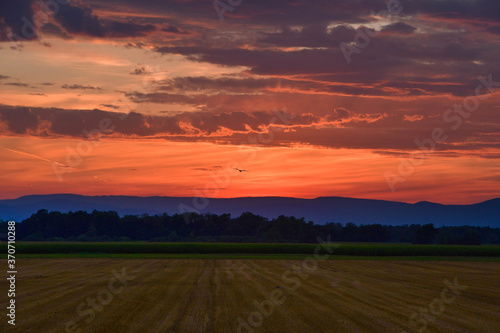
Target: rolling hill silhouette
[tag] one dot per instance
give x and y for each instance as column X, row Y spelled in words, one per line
column 320, row 210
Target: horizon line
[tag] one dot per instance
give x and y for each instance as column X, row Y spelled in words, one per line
column 248, row 197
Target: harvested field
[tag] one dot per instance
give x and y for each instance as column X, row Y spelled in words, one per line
column 218, row 295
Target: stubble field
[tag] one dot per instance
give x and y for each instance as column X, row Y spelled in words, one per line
column 220, row 295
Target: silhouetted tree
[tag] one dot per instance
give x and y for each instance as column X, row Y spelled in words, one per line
column 471, row 237
column 425, row 234
column 248, row 227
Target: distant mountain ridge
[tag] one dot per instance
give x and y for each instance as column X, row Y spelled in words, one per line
column 320, row 210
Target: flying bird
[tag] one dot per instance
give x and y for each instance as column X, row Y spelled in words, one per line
column 240, row 170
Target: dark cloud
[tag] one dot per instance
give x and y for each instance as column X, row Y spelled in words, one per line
column 204, row 83
column 128, row 29
column 290, row 50
column 309, row 45
column 3, row 32
column 17, row 84
column 399, row 28
column 139, row 71
column 252, row 86
column 450, row 60
column 135, row 45
column 4, row 77
column 54, row 30
column 80, row 20
column 309, row 15
column 73, row 123
column 267, row 61
column 18, row 47
column 171, row 29
column 110, row 106
column 16, row 18
column 315, row 35
column 66, row 122
column 280, row 13
column 79, row 86
column 73, row 18
column 212, row 168
column 473, row 9
column 339, row 128
column 19, row 120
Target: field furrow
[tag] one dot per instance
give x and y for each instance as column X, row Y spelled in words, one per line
column 246, row 296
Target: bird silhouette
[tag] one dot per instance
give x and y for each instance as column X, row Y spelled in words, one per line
column 240, row 170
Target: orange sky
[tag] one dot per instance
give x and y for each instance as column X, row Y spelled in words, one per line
column 186, row 99
column 145, row 167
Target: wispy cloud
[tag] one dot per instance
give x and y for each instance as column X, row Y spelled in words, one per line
column 37, row 157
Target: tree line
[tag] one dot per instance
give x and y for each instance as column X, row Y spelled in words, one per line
column 248, row 227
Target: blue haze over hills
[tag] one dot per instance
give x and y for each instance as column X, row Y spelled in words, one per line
column 320, row 210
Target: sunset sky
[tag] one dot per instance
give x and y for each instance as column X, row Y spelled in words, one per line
column 301, row 98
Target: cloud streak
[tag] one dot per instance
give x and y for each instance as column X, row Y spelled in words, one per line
column 38, row 157
column 338, row 128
